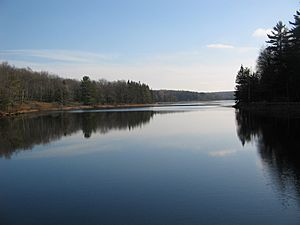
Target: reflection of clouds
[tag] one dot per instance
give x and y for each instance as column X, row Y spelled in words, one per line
column 70, row 150
column 57, row 152
column 58, row 55
column 222, row 153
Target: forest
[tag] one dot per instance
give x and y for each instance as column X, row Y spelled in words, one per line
column 186, row 96
column 277, row 74
column 18, row 85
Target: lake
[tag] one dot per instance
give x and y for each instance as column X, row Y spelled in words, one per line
column 203, row 163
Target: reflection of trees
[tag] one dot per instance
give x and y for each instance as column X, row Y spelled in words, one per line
column 106, row 121
column 278, row 145
column 25, row 132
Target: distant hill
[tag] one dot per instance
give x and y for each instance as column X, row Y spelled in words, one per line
column 181, row 96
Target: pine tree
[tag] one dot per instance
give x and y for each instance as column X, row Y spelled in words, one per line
column 279, row 48
column 279, row 40
column 85, row 90
column 295, row 31
column 294, row 58
column 242, row 93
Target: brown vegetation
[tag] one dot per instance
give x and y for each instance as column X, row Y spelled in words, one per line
column 35, row 106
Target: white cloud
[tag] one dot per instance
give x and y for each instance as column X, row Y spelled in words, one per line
column 222, row 153
column 59, row 55
column 237, row 49
column 261, row 33
column 220, row 46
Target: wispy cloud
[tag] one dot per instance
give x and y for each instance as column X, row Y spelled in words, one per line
column 222, row 153
column 220, row 46
column 238, row 49
column 198, row 77
column 261, row 33
column 59, row 55
column 190, row 69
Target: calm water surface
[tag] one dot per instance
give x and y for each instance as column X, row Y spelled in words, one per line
column 186, row 164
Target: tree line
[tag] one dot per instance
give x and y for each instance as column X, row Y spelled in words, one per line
column 277, row 75
column 18, row 85
column 185, row 96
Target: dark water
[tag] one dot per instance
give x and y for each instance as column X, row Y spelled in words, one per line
column 196, row 164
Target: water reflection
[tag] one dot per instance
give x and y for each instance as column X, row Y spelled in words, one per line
column 25, row 132
column 277, row 140
column 180, row 168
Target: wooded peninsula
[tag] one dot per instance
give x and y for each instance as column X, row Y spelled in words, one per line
column 276, row 81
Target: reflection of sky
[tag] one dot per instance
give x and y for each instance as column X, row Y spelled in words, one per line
column 207, row 131
column 168, row 107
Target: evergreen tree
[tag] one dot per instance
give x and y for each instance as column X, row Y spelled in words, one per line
column 279, row 40
column 86, row 90
column 295, row 31
column 242, row 92
column 294, row 58
column 279, row 47
column 278, row 69
column 265, row 72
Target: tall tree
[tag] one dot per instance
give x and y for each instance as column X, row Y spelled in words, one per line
column 279, row 42
column 295, row 30
column 86, row 90
column 265, row 72
column 294, row 58
column 242, row 93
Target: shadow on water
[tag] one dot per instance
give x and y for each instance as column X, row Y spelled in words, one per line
column 23, row 133
column 277, row 140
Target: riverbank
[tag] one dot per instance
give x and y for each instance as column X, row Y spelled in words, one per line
column 36, row 107
column 44, row 107
column 280, row 109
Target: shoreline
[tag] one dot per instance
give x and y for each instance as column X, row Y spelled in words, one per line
column 52, row 107
column 43, row 107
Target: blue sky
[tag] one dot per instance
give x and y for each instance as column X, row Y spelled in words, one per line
column 169, row 44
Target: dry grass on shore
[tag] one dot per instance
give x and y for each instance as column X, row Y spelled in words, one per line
column 35, row 106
